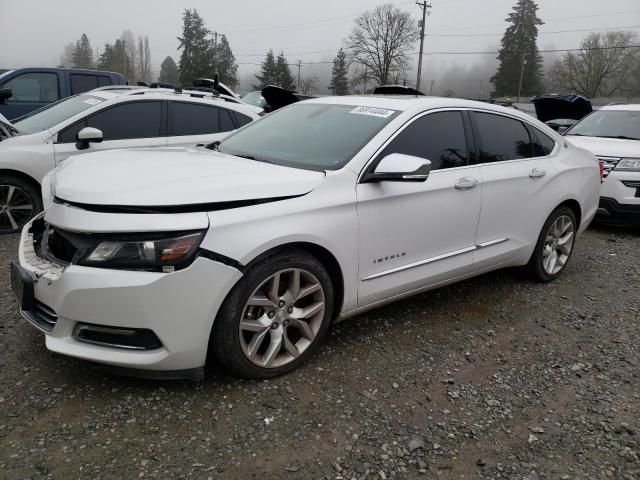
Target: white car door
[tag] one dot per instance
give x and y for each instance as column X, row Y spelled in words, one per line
column 131, row 124
column 193, row 123
column 515, row 171
column 414, row 234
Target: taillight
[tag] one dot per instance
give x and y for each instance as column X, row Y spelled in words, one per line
column 601, row 167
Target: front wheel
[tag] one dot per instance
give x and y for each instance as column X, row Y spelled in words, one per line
column 555, row 245
column 19, row 202
column 275, row 316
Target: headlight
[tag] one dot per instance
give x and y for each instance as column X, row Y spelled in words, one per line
column 629, row 164
column 148, row 253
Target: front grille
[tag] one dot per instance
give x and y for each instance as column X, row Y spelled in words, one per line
column 609, row 163
column 42, row 316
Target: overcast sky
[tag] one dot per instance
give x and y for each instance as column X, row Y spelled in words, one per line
column 34, row 32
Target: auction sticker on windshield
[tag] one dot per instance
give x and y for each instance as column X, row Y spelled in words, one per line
column 373, row 111
column 92, row 101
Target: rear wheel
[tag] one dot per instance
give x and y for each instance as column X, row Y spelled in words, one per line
column 19, row 202
column 555, row 245
column 275, row 317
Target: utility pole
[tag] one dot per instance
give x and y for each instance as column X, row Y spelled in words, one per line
column 299, row 65
column 524, row 62
column 215, row 52
column 431, row 88
column 424, row 5
column 364, row 79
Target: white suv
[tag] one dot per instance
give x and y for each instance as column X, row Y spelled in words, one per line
column 612, row 133
column 151, row 260
column 104, row 119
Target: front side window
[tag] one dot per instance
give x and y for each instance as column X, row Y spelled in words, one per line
column 34, row 87
column 121, row 122
column 437, row 137
column 543, row 145
column 609, row 124
column 192, row 119
column 502, row 138
column 310, row 136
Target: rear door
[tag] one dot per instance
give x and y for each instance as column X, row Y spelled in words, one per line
column 190, row 123
column 124, row 125
column 515, row 171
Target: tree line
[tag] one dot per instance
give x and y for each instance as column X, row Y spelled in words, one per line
column 378, row 51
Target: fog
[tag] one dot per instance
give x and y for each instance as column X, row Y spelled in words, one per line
column 34, row 32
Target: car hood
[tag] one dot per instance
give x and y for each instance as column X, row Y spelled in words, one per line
column 552, row 106
column 189, row 179
column 607, row 147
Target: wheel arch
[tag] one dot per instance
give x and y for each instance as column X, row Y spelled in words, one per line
column 23, row 176
column 574, row 205
column 324, row 256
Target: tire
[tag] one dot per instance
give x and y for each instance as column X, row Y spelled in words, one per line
column 20, row 201
column 552, row 242
column 254, row 322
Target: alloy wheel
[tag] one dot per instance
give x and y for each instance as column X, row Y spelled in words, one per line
column 282, row 318
column 16, row 208
column 558, row 245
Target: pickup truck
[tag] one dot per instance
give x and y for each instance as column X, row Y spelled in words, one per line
column 26, row 89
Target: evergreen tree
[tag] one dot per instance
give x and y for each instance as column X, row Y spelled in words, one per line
column 518, row 47
column 169, row 71
column 268, row 72
column 195, row 60
column 114, row 58
column 82, row 56
column 284, row 78
column 224, row 62
column 339, row 81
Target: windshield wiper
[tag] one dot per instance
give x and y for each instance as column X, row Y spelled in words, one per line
column 621, row 137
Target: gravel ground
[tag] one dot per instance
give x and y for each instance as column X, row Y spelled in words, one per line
column 495, row 377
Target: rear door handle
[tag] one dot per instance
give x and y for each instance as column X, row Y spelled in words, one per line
column 466, row 183
column 537, row 173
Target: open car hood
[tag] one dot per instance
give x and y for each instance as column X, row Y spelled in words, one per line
column 278, row 97
column 552, row 106
column 396, row 90
column 168, row 180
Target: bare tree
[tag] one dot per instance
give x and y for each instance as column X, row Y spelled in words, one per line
column 380, row 42
column 601, row 68
column 308, row 84
column 143, row 57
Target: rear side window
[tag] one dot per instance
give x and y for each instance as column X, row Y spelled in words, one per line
column 103, row 81
column 502, row 138
column 83, row 83
column 543, row 145
column 37, row 87
column 241, row 119
column 438, row 137
column 192, row 119
column 121, row 122
column 226, row 123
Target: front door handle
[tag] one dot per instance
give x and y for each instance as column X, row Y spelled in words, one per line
column 537, row 173
column 466, row 183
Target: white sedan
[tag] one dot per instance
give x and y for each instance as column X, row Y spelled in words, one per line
column 104, row 119
column 153, row 260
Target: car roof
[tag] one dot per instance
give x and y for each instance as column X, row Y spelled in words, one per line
column 407, row 103
column 629, row 107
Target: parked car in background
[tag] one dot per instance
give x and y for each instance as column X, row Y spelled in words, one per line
column 612, row 133
column 33, row 88
column 560, row 110
column 152, row 260
column 256, row 99
column 104, row 119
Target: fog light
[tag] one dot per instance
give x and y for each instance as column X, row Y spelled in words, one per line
column 117, row 337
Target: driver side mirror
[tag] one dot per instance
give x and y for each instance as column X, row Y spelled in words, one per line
column 86, row 136
column 5, row 94
column 397, row 167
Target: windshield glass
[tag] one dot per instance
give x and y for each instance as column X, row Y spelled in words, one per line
column 311, row 136
column 51, row 115
column 610, row 124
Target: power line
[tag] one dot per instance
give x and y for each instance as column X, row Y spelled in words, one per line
column 539, row 51
column 541, row 33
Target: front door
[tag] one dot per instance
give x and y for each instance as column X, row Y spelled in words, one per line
column 416, row 234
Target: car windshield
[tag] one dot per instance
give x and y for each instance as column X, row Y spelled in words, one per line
column 51, row 115
column 624, row 124
column 311, row 136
